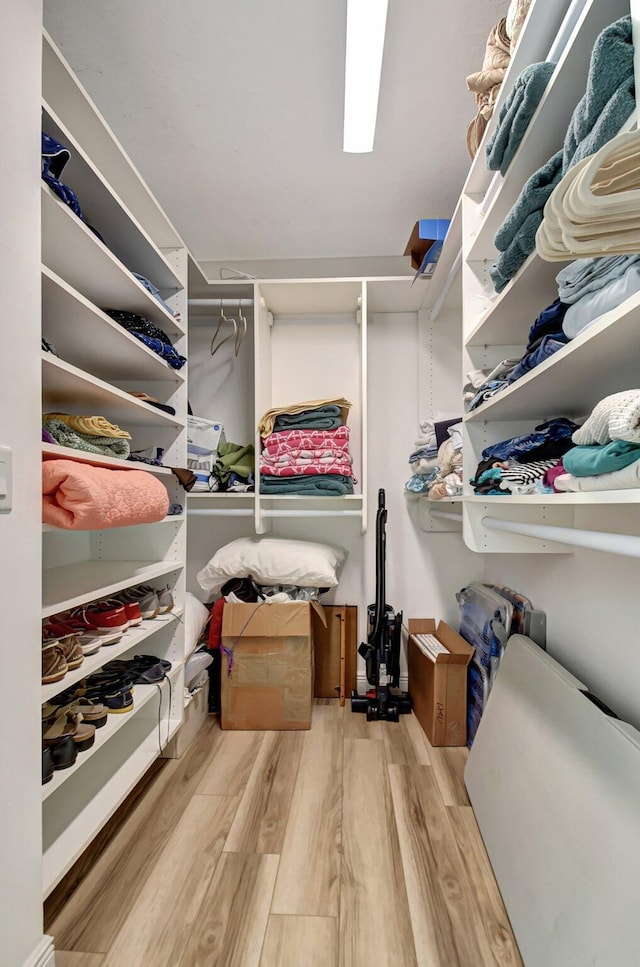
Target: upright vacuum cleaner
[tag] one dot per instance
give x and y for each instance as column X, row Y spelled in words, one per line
column 381, row 651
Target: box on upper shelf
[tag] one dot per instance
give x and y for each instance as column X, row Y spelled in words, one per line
column 438, row 681
column 203, row 439
column 425, row 244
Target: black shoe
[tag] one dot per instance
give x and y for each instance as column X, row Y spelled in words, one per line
column 47, row 765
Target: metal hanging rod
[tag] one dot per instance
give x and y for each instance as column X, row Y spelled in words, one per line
column 451, row 277
column 445, row 516
column 624, row 544
column 219, row 512
column 222, row 303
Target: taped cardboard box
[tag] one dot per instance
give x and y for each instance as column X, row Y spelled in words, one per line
column 270, row 686
column 438, row 680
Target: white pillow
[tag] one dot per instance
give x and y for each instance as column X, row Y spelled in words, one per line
column 273, row 560
column 195, row 618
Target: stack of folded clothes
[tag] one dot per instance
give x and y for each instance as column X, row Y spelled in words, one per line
column 148, row 333
column 233, row 469
column 305, row 449
column 546, row 337
column 607, row 455
column 437, row 469
column 92, row 434
column 606, row 105
column 525, row 464
column 485, row 84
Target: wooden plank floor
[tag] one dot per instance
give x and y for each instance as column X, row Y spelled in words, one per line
column 343, row 846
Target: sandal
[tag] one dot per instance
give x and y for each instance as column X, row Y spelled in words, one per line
column 68, row 723
column 94, row 713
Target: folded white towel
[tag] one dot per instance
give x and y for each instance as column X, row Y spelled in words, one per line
column 626, row 479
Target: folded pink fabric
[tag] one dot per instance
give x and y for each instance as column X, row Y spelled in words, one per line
column 79, row 496
column 305, row 469
column 284, row 441
column 308, row 456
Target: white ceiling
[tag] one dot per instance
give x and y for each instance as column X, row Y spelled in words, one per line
column 232, row 111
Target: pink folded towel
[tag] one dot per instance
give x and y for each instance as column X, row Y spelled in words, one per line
column 79, row 496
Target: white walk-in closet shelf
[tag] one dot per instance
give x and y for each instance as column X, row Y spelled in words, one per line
column 600, row 361
column 98, row 366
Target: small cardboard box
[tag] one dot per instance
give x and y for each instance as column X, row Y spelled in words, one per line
column 270, row 685
column 427, row 238
column 438, row 682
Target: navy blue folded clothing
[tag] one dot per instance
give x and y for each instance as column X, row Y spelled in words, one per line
column 549, row 321
column 548, row 346
column 547, row 441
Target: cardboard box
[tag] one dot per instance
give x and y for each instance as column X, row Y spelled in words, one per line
column 271, row 681
column 425, row 243
column 438, row 682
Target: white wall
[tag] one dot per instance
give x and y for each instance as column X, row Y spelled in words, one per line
column 592, row 611
column 21, row 939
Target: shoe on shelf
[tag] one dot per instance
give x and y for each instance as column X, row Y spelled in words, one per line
column 104, row 619
column 131, row 609
column 69, row 723
column 90, row 640
column 165, row 598
column 54, row 664
column 145, row 597
column 118, row 700
column 70, row 646
column 63, row 751
column 94, row 713
column 47, row 765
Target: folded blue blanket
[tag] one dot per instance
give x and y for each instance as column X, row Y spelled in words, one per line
column 593, row 305
column 516, row 113
column 589, row 275
column 328, row 417
column 607, row 103
column 592, row 461
column 316, row 485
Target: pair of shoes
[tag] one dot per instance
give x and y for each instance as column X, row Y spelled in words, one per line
column 143, row 669
column 68, row 723
column 94, row 713
column 114, row 690
column 150, row 602
column 60, row 654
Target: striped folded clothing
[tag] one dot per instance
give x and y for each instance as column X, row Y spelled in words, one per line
column 286, row 441
column 90, row 425
column 308, row 456
column 305, row 469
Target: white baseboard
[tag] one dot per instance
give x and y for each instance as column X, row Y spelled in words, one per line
column 363, row 684
column 43, row 956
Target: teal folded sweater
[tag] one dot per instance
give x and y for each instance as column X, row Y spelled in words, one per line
column 592, row 461
column 516, row 113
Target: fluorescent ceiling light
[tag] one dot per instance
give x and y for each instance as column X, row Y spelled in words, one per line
column 366, row 23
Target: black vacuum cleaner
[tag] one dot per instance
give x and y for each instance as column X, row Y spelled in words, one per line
column 381, row 651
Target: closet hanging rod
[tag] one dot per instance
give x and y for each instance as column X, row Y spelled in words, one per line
column 624, row 544
column 311, row 513
column 443, row 515
column 222, row 303
column 440, row 301
column 219, row 512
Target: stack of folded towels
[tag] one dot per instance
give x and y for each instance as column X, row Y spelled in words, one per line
column 92, row 434
column 437, row 470
column 607, row 455
column 305, row 449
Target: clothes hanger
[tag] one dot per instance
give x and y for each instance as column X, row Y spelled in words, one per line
column 215, row 346
column 240, row 335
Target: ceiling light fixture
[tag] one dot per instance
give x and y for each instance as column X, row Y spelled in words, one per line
column 366, row 24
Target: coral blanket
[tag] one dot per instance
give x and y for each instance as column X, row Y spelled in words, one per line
column 79, row 496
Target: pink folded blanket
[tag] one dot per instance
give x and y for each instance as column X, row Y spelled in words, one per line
column 284, row 441
column 308, row 456
column 79, row 496
column 305, row 469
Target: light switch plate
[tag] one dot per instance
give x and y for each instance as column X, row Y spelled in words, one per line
column 6, row 473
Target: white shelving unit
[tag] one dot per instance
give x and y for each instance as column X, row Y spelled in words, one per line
column 600, row 361
column 101, row 364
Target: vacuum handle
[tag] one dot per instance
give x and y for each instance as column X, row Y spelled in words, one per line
column 381, row 499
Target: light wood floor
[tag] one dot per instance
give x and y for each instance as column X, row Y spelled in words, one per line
column 344, row 846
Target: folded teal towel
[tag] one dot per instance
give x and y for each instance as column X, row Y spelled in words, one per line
column 593, row 461
column 607, row 103
column 102, row 445
column 328, row 417
column 316, row 485
column 516, row 113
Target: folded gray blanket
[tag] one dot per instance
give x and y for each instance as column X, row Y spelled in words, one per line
column 316, row 485
column 589, row 275
column 516, row 113
column 328, row 417
column 607, row 103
